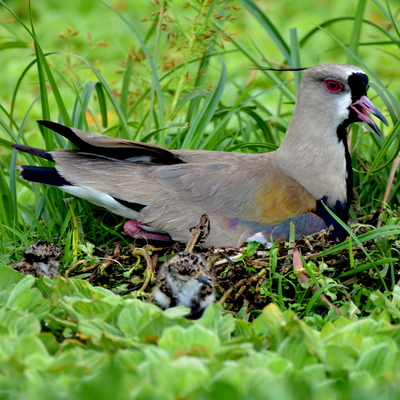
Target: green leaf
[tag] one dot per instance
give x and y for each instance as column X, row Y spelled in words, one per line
column 20, row 296
column 182, row 376
column 377, row 360
column 147, row 321
column 294, row 350
column 92, row 309
column 270, row 323
column 9, row 277
column 178, row 339
column 223, row 325
column 340, row 356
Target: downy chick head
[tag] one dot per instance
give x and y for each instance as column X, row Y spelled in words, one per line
column 40, row 258
column 185, row 280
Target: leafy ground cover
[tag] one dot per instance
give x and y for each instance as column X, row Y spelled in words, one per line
column 181, row 75
column 68, row 339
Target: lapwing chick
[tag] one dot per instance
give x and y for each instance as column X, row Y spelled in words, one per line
column 40, row 258
column 185, row 280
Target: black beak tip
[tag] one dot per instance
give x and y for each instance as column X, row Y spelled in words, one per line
column 203, row 279
column 377, row 130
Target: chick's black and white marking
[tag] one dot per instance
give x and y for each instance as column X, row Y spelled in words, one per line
column 40, row 258
column 185, row 280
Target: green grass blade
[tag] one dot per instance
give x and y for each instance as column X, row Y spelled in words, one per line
column 235, row 108
column 7, row 204
column 102, row 104
column 392, row 230
column 125, row 87
column 356, row 31
column 195, row 134
column 43, row 71
column 384, row 151
column 155, row 80
column 340, row 21
column 269, row 27
column 79, row 114
column 14, row 44
column 315, row 297
column 295, row 56
column 389, row 15
column 125, row 131
column 368, row 266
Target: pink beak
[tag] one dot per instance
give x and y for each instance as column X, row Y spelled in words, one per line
column 364, row 108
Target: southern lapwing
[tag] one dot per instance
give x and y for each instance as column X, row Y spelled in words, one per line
column 185, row 280
column 246, row 196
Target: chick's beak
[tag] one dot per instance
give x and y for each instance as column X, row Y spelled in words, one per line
column 364, row 108
column 203, row 279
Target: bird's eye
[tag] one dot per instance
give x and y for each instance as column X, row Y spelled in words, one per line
column 333, row 86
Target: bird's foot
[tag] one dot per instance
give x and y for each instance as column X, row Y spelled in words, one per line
column 138, row 230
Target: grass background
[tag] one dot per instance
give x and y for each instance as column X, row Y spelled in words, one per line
column 181, row 75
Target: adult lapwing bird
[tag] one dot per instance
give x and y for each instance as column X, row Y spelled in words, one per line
column 40, row 258
column 246, row 196
column 185, row 280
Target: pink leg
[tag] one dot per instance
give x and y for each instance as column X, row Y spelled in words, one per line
column 134, row 229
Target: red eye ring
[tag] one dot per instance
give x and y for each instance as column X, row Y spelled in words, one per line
column 333, row 86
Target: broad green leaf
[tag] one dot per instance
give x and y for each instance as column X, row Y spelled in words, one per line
column 38, row 304
column 20, row 296
column 180, row 376
column 176, row 312
column 93, row 309
column 7, row 348
column 340, row 357
column 50, row 341
column 9, row 277
column 377, row 360
column 214, row 320
column 27, row 325
column 294, row 350
column 195, row 338
column 31, row 351
column 96, row 328
column 270, row 323
column 382, row 303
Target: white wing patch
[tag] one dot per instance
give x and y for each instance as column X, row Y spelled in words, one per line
column 101, row 199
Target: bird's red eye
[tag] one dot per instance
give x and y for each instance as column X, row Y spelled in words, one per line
column 333, row 85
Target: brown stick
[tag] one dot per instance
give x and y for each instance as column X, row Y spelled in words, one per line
column 237, row 287
column 200, row 231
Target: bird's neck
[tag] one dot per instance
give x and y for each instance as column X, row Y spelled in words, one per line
column 316, row 155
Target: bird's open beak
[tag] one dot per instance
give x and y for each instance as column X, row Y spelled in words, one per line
column 364, row 108
column 203, row 279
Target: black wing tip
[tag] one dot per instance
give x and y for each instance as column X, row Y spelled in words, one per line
column 45, row 175
column 54, row 126
column 47, row 123
column 158, row 156
column 33, row 150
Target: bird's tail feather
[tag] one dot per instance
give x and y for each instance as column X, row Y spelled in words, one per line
column 46, row 175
